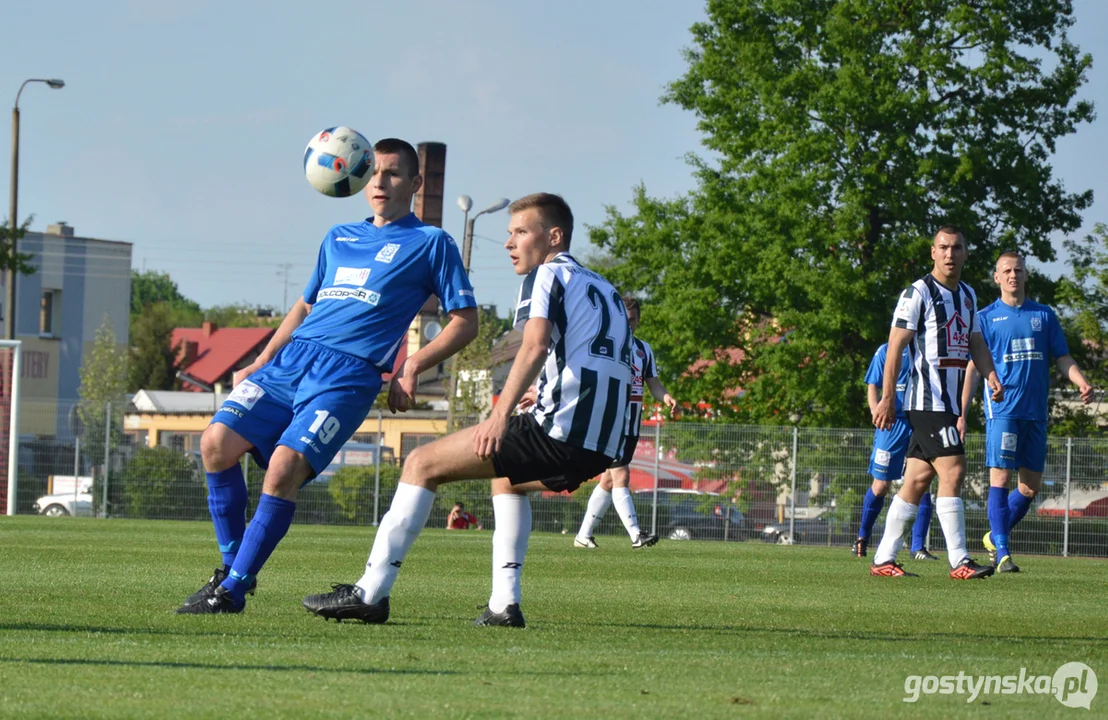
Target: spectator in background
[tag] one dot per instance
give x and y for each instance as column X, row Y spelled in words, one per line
column 459, row 519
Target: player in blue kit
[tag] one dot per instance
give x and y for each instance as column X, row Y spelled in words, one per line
column 886, row 461
column 312, row 386
column 1022, row 335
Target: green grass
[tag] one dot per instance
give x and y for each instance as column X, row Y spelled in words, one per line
column 680, row 630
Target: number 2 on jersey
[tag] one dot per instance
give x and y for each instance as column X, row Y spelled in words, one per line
column 603, row 345
column 325, row 424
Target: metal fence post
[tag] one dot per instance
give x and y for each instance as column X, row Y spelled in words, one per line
column 657, row 461
column 107, row 458
column 792, row 496
column 1066, row 523
column 377, row 478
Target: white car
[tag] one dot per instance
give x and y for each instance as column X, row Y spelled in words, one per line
column 64, row 504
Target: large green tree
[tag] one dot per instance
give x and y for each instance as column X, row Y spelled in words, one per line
column 153, row 358
column 841, row 133
column 151, row 287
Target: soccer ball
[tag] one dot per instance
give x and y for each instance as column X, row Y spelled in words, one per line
column 338, row 161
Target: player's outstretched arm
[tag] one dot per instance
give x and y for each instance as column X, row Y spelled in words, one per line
column 885, row 415
column 529, row 360
column 983, row 359
column 969, row 389
column 1068, row 367
column 658, row 390
column 295, row 316
column 873, row 396
column 458, row 333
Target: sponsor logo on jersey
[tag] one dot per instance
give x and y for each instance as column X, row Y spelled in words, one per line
column 387, row 253
column 902, row 308
column 465, row 293
column 998, row 319
column 957, row 334
column 246, row 394
column 1008, row 441
column 351, row 276
column 1022, row 356
column 369, row 297
column 1036, row 323
column 346, row 239
column 901, row 387
column 1019, row 344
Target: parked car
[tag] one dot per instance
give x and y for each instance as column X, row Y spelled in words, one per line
column 692, row 515
column 805, row 531
column 62, row 502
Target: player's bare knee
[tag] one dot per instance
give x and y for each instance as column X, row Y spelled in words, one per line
column 606, row 482
column 288, row 470
column 880, row 488
column 216, row 448
column 419, row 470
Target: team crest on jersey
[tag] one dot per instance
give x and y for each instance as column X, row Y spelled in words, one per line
column 387, row 253
column 246, row 394
column 1008, row 441
column 351, row 276
column 969, row 305
column 640, row 353
column 1036, row 323
column 957, row 333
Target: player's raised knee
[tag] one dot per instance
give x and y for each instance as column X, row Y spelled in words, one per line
column 221, row 447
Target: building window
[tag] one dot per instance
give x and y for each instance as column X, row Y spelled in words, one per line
column 410, row 441
column 48, row 325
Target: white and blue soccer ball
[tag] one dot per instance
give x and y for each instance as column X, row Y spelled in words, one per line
column 338, row 161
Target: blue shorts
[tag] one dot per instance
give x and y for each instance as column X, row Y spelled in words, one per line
column 308, row 398
column 890, row 447
column 1014, row 444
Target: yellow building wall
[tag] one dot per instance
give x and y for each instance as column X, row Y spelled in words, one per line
column 392, row 426
column 38, row 386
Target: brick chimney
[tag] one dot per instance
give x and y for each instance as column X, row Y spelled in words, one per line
column 432, row 166
column 207, row 328
column 187, row 353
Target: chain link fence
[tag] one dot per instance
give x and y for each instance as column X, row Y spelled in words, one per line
column 711, row 481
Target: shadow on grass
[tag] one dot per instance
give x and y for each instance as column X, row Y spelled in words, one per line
column 213, row 666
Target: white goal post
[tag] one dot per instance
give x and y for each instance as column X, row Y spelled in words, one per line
column 13, row 422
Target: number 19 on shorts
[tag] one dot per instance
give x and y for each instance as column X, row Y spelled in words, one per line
column 325, row 425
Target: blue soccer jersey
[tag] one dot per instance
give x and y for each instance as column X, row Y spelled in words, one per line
column 1022, row 341
column 369, row 283
column 876, row 374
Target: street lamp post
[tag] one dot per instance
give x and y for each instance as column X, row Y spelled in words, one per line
column 466, row 204
column 13, row 218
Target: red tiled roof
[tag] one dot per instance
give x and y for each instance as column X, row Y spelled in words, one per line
column 219, row 352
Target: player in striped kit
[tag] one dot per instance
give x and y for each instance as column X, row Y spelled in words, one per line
column 936, row 319
column 614, row 486
column 576, row 334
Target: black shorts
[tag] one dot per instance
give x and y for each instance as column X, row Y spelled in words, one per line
column 934, row 435
column 628, row 452
column 527, row 454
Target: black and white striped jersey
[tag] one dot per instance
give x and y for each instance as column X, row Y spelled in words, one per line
column 584, row 388
column 642, row 369
column 942, row 320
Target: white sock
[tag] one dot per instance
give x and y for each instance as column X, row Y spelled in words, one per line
column 512, row 514
column 899, row 516
column 621, row 498
column 399, row 528
column 599, row 502
column 952, row 519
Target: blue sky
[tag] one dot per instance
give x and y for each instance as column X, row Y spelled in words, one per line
column 182, row 125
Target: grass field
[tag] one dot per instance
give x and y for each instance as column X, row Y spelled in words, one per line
column 688, row 629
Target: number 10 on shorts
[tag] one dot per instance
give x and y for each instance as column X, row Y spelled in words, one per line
column 948, row 435
column 325, row 425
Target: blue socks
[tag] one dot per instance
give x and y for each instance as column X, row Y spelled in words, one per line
column 871, row 508
column 227, row 504
column 999, row 519
column 1018, row 504
column 923, row 522
column 270, row 523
